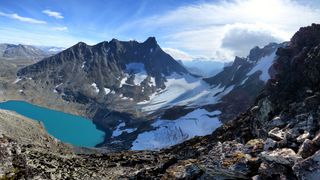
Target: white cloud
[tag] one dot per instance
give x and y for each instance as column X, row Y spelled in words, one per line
column 54, row 14
column 40, row 38
column 178, row 54
column 206, row 28
column 63, row 28
column 21, row 18
column 240, row 38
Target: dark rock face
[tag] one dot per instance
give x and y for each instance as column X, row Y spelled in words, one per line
column 247, row 83
column 105, row 65
column 286, row 115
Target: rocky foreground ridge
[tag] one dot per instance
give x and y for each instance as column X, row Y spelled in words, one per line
column 277, row 138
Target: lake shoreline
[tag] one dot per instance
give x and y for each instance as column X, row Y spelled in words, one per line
column 66, row 127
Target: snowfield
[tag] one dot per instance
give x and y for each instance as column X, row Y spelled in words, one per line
column 138, row 70
column 107, row 90
column 263, row 66
column 184, row 90
column 95, row 87
column 170, row 132
column 120, row 129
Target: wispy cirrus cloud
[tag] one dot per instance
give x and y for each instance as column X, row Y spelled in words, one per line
column 22, row 19
column 62, row 28
column 54, row 14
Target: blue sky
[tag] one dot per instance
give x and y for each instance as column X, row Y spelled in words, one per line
column 213, row 29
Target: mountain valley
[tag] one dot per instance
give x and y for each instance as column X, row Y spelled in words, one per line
column 117, row 86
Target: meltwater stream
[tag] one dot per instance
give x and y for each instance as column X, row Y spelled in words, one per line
column 68, row 128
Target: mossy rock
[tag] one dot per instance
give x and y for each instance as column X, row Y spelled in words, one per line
column 235, row 158
column 255, row 146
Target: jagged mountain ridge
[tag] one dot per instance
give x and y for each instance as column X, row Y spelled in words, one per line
column 109, row 79
column 105, row 64
column 232, row 91
column 277, row 138
column 247, row 76
column 123, row 91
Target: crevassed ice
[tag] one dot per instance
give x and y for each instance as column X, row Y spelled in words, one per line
column 170, row 132
column 184, row 90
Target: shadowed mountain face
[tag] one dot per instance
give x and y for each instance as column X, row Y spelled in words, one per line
column 247, row 77
column 106, row 65
column 107, row 71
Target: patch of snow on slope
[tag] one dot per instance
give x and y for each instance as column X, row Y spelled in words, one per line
column 55, row 49
column 123, row 81
column 244, row 81
column 152, row 81
column 55, row 88
column 83, row 64
column 263, row 65
column 138, row 70
column 95, row 87
column 183, row 90
column 107, row 90
column 170, row 132
column 17, row 80
column 139, row 77
column 120, row 130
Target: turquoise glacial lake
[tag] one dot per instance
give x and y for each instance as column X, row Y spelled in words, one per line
column 68, row 128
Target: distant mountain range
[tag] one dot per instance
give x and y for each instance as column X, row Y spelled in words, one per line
column 26, row 52
column 203, row 68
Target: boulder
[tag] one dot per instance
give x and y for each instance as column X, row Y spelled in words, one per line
column 307, row 148
column 227, row 159
column 187, row 169
column 276, row 122
column 271, row 169
column 269, row 144
column 303, row 137
column 316, row 139
column 308, row 168
column 277, row 134
column 283, row 156
column 254, row 146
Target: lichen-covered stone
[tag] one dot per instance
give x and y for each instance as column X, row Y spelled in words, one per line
column 283, row 156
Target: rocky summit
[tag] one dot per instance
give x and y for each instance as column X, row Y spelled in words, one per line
column 278, row 137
